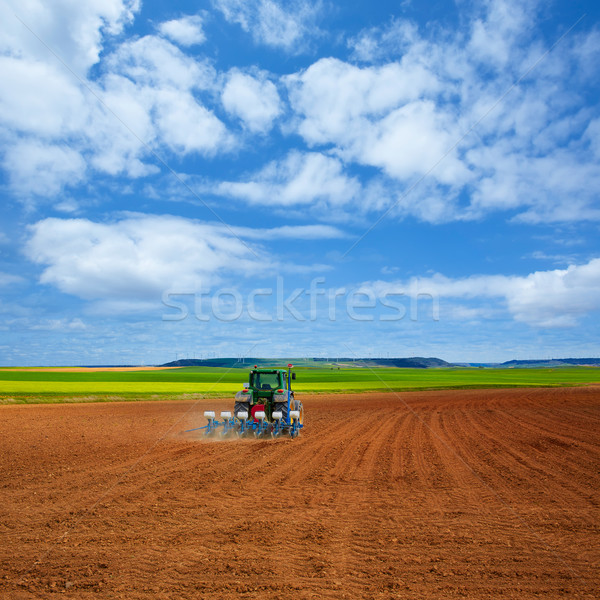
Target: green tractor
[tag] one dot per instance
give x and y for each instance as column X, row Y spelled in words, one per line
column 266, row 406
column 268, row 390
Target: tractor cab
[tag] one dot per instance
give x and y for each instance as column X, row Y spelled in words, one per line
column 264, row 382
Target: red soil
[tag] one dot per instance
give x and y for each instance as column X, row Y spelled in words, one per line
column 469, row 494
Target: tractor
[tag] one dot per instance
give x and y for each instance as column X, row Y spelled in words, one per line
column 264, row 407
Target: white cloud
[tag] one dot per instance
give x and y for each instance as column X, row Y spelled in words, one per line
column 60, row 110
column 283, row 24
column 74, row 30
column 380, row 44
column 554, row 298
column 153, row 87
column 377, row 116
column 155, row 62
column 410, row 141
column 137, row 258
column 333, row 97
column 535, row 156
column 186, row 31
column 253, row 99
column 147, row 100
column 187, row 126
column 495, row 37
column 43, row 169
column 117, row 145
column 300, row 179
column 533, row 151
column 557, row 187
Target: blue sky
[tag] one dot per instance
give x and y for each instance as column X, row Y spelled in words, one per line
column 291, row 178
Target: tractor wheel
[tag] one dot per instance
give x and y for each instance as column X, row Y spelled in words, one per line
column 300, row 409
column 294, row 405
column 241, row 407
column 282, row 408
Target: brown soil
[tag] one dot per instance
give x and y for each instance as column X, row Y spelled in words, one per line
column 470, row 494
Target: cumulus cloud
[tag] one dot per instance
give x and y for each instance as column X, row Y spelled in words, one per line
column 43, row 168
column 131, row 262
column 333, row 97
column 155, row 62
column 554, row 298
column 136, row 258
column 254, row 100
column 283, row 24
column 378, row 116
column 146, row 101
column 187, row 126
column 74, row 30
column 115, row 148
column 410, row 111
column 39, row 99
column 186, row 31
column 299, row 179
column 152, row 87
column 496, row 35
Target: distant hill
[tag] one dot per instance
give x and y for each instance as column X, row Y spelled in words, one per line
column 246, row 363
column 415, row 362
column 553, row 362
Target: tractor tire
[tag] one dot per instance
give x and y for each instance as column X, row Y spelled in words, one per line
column 294, row 405
column 283, row 407
column 241, row 407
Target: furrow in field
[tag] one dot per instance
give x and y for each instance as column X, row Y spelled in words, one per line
column 526, row 472
column 564, row 453
column 567, row 427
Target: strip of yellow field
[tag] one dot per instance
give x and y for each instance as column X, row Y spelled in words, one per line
column 115, row 387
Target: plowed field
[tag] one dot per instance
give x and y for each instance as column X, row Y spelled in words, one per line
column 467, row 494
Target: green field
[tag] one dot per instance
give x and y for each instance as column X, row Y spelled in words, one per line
column 28, row 385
